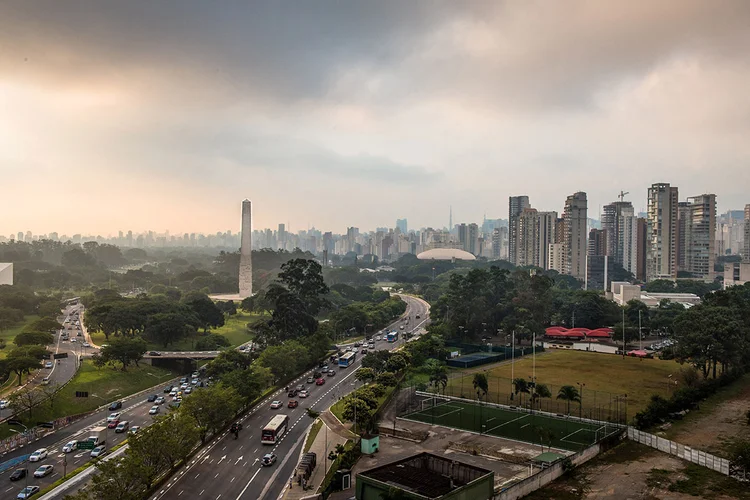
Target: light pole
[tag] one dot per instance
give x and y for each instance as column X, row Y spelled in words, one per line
column 26, row 462
column 580, row 397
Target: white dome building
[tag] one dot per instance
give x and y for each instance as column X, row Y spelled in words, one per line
column 445, row 254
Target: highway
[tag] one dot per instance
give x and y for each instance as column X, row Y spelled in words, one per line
column 60, row 373
column 230, row 469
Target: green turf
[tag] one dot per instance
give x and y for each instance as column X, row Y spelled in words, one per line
column 534, row 428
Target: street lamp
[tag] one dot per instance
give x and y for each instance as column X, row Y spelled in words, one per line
column 26, row 462
column 580, row 397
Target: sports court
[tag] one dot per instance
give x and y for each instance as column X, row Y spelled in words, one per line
column 521, row 425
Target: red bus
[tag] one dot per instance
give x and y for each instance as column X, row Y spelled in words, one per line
column 275, row 429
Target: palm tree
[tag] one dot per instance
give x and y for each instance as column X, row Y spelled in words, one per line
column 439, row 378
column 570, row 394
column 541, row 391
column 480, row 384
column 520, row 386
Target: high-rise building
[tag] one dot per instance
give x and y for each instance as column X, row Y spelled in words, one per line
column 555, row 257
column 472, row 237
column 281, row 236
column 598, row 242
column 402, row 226
column 683, row 237
column 661, row 245
column 599, row 265
column 516, row 205
column 700, row 253
column 499, row 242
column 641, row 248
column 746, row 244
column 536, row 232
column 618, row 219
column 574, row 242
column 246, row 254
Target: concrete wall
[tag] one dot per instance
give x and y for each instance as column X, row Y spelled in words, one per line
column 6, row 273
column 679, row 450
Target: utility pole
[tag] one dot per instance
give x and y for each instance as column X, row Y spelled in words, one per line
column 512, row 361
column 640, row 335
column 623, row 333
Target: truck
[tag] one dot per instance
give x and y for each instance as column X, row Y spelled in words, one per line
column 97, row 435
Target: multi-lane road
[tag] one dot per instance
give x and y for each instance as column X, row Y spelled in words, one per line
column 230, row 469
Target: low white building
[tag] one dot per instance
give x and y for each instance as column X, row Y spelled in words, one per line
column 623, row 292
column 6, row 273
column 736, row 273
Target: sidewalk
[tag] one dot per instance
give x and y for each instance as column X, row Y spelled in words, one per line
column 331, row 434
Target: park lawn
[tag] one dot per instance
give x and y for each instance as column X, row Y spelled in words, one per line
column 604, row 376
column 108, row 383
column 10, row 334
column 234, row 330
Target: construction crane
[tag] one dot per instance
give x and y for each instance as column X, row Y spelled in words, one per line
column 622, row 195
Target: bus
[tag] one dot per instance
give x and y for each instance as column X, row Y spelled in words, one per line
column 275, row 429
column 347, row 359
column 392, row 336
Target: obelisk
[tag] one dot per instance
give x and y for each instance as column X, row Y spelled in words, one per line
column 246, row 259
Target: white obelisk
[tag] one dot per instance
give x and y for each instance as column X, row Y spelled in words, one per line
column 246, row 260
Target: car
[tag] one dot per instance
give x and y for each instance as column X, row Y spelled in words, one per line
column 378, row 338
column 44, row 470
column 48, row 364
column 73, row 339
column 292, row 393
column 123, row 426
column 134, row 429
column 3, row 404
column 320, row 381
column 300, row 387
column 98, row 451
column 113, row 416
column 364, row 351
column 160, row 400
column 38, row 455
column 154, row 353
column 115, row 406
column 357, row 344
column 183, row 380
column 276, row 405
column 401, row 327
column 348, row 349
column 86, row 344
column 195, row 375
column 183, row 386
column 417, row 316
column 18, row 474
column 331, row 373
column 268, row 460
column 168, row 389
column 113, row 423
column 154, row 410
column 152, row 398
column 303, row 394
column 188, row 390
column 28, row 492
column 293, row 403
column 310, row 380
column 355, row 349
column 195, row 381
column 324, row 368
column 70, row 447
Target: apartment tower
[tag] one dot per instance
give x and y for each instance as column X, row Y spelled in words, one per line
column 661, row 232
column 575, row 216
column 516, row 206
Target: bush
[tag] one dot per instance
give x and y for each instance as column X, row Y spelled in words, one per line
column 212, row 342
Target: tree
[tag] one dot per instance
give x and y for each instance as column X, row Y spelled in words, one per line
column 167, row 328
column 396, row 363
column 211, row 408
column 304, row 278
column 121, row 478
column 43, row 325
column 387, row 379
column 124, row 350
column 208, row 314
column 212, row 342
column 520, row 387
column 540, row 391
column 25, row 400
column 570, row 394
column 365, row 375
column 284, row 360
column 249, row 382
column 438, row 374
column 49, row 309
column 33, row 338
column 23, row 359
column 480, row 384
column 376, row 360
column 49, row 393
column 358, row 411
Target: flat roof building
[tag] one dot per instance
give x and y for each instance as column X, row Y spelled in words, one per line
column 426, row 476
column 6, row 273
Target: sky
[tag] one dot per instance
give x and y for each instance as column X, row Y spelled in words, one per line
column 166, row 115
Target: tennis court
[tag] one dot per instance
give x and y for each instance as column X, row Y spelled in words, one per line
column 521, row 425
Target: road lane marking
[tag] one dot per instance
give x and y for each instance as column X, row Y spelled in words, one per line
column 247, row 485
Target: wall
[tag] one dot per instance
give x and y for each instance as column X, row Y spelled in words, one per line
column 679, row 450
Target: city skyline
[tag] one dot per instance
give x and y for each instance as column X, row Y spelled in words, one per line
column 325, row 114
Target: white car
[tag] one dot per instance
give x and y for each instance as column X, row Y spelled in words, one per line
column 70, row 447
column 113, row 416
column 188, row 390
column 44, row 470
column 378, row 338
column 86, row 344
column 154, row 410
column 98, row 451
column 3, row 404
column 276, row 405
column 38, row 455
column 303, row 394
column 73, row 340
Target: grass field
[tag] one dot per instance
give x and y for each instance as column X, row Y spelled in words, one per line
column 9, row 334
column 106, row 383
column 535, row 428
column 604, row 375
column 234, row 330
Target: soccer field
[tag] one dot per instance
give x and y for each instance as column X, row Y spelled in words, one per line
column 537, row 428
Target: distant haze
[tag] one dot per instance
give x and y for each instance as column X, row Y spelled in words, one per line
column 165, row 115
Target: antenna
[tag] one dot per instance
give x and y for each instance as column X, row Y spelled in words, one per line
column 622, row 195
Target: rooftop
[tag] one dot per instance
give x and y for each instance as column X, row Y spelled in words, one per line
column 446, row 254
column 426, row 474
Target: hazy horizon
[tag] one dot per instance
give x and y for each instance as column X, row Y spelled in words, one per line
column 141, row 115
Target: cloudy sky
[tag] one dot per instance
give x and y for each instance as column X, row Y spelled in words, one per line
column 165, row 115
